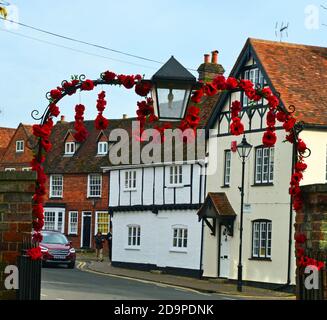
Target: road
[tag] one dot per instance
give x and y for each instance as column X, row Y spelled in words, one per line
column 59, row 283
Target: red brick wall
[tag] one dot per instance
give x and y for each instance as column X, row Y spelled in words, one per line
column 75, row 199
column 13, row 159
column 16, row 190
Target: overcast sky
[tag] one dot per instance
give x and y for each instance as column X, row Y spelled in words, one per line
column 152, row 29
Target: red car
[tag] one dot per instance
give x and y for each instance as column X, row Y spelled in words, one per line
column 56, row 249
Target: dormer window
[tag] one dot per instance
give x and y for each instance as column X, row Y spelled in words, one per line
column 70, row 148
column 20, row 146
column 102, row 148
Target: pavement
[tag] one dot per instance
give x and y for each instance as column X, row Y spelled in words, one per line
column 87, row 262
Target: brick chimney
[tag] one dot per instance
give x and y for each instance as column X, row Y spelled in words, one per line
column 210, row 69
column 125, row 116
column 62, row 119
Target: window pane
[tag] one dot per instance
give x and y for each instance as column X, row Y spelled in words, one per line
column 259, row 166
column 271, row 165
column 103, row 222
column 95, row 182
column 227, row 167
column 176, row 175
column 265, row 165
column 130, row 180
column 256, row 228
column 269, row 240
column 56, row 185
column 263, row 239
column 73, row 223
column 180, row 237
column 60, row 222
column 134, row 236
column 49, row 220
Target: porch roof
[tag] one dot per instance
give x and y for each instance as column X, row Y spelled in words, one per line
column 216, row 205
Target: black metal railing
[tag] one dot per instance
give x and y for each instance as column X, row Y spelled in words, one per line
column 29, row 275
column 319, row 293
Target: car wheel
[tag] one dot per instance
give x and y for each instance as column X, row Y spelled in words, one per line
column 71, row 265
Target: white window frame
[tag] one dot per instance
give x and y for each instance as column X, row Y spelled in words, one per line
column 103, row 147
column 98, row 195
column 70, row 223
column 180, row 238
column 262, row 239
column 70, row 148
column 227, row 167
column 264, row 165
column 20, row 146
column 96, row 226
column 56, row 212
column 176, row 176
column 256, row 76
column 52, row 195
column 27, row 169
column 134, row 236
column 130, row 177
column 10, row 169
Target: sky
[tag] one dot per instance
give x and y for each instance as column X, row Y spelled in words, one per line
column 151, row 29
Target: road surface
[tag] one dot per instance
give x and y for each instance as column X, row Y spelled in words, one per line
column 59, row 283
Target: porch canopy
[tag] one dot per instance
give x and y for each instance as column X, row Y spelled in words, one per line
column 217, row 208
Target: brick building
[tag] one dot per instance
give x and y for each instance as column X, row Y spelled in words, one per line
column 16, row 154
column 78, row 197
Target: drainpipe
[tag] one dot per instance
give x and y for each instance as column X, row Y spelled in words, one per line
column 201, row 251
column 291, row 224
column 202, row 226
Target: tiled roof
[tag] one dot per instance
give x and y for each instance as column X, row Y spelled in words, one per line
column 220, row 204
column 6, row 135
column 299, row 73
column 86, row 159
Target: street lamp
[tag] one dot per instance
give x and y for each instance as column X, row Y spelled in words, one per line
column 171, row 91
column 244, row 150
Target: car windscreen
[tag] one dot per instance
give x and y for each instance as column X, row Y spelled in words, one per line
column 54, row 238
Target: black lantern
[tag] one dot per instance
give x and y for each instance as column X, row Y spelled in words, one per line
column 172, row 89
column 244, row 148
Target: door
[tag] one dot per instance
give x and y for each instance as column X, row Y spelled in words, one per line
column 86, row 229
column 224, row 253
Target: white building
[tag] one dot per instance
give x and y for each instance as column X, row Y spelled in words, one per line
column 299, row 74
column 153, row 209
column 154, row 205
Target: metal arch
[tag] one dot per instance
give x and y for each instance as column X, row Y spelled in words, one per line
column 37, row 116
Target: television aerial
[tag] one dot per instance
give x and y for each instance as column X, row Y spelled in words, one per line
column 281, row 30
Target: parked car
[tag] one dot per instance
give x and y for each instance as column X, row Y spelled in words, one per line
column 56, row 249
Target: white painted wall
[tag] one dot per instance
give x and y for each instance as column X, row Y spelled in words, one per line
column 152, row 190
column 157, row 230
column 317, row 142
column 157, row 238
column 267, row 202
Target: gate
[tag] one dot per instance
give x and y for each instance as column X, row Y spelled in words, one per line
column 29, row 275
